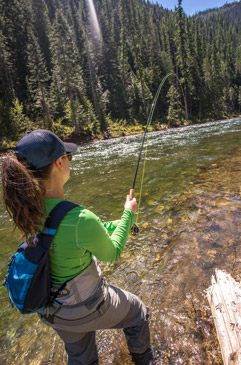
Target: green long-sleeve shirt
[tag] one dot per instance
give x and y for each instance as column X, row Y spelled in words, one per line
column 81, row 235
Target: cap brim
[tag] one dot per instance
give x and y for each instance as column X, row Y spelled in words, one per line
column 70, row 147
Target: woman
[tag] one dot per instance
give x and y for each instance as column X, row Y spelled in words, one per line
column 33, row 179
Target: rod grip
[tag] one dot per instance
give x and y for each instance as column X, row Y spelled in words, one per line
column 132, row 191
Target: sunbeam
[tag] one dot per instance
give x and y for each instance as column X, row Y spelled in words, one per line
column 94, row 23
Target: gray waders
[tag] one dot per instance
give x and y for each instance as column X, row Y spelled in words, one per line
column 88, row 303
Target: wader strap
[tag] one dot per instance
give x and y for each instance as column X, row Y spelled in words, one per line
column 100, row 310
column 81, row 288
column 89, row 303
column 57, row 293
column 91, row 300
column 50, row 316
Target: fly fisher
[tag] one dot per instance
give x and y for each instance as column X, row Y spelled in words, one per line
column 81, row 302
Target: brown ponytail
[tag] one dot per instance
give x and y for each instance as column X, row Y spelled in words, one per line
column 23, row 193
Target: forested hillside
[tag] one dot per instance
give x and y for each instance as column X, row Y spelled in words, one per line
column 63, row 70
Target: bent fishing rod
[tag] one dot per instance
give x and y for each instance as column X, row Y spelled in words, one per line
column 135, row 228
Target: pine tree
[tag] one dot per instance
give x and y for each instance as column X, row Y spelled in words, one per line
column 181, row 51
column 124, row 67
column 93, row 50
column 42, row 25
column 134, row 19
column 6, row 72
column 194, row 70
column 174, row 110
column 198, row 53
column 6, row 88
column 217, row 81
column 14, row 32
column 38, row 78
column 67, row 79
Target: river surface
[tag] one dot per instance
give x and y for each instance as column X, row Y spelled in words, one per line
column 190, row 224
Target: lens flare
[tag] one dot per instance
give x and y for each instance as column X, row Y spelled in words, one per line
column 94, row 23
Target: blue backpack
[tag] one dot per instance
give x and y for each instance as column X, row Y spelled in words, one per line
column 28, row 279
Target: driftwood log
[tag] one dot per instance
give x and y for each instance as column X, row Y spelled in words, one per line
column 224, row 296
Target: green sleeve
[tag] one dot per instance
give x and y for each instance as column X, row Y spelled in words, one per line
column 94, row 236
column 111, row 226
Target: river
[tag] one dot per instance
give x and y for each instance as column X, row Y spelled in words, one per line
column 190, row 224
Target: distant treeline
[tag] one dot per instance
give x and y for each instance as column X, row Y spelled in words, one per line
column 57, row 72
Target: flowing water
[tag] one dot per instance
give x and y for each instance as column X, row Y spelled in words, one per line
column 190, row 224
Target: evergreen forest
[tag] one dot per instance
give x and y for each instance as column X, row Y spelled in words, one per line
column 83, row 67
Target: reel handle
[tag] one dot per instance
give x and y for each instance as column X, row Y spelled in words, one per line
column 132, row 191
column 134, row 229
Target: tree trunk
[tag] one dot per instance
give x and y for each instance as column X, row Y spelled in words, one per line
column 46, row 112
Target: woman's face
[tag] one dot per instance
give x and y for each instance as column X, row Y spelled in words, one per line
column 66, row 158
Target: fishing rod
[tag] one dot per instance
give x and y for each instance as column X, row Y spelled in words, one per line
column 135, row 228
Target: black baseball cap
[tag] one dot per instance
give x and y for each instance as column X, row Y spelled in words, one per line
column 42, row 147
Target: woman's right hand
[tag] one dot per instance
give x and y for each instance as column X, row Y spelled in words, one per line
column 131, row 203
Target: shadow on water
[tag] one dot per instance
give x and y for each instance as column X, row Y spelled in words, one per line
column 191, row 225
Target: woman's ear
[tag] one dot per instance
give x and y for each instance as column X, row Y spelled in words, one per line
column 59, row 162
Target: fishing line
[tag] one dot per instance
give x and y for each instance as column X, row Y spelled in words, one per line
column 135, row 229
column 142, row 181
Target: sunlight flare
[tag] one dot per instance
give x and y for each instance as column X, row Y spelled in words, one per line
column 94, row 23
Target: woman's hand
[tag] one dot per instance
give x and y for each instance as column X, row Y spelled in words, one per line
column 131, row 203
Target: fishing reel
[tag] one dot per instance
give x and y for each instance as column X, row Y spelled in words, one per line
column 134, row 230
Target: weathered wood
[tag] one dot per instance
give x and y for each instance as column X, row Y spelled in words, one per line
column 224, row 296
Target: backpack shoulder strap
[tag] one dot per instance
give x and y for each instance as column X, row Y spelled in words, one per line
column 56, row 215
column 41, row 242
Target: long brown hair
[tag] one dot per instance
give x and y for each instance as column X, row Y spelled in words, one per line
column 23, row 193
